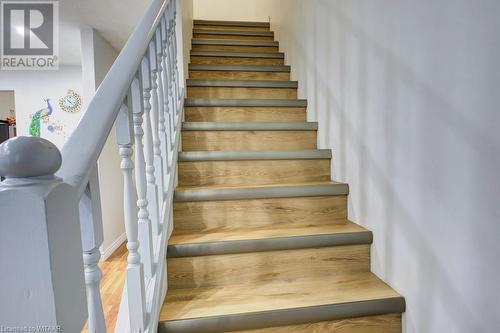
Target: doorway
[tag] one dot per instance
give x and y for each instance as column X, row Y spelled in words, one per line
column 7, row 115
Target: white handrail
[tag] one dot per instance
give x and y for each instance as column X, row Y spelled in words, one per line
column 85, row 144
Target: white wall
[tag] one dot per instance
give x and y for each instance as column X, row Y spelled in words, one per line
column 6, row 103
column 233, row 10
column 33, row 87
column 406, row 95
column 186, row 10
column 97, row 58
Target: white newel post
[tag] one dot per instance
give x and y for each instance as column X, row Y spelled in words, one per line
column 92, row 237
column 158, row 163
column 152, row 189
column 145, row 235
column 135, row 275
column 42, row 278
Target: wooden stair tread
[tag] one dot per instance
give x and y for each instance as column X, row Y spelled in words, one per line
column 233, row 42
column 387, row 323
column 196, row 156
column 194, row 188
column 237, row 192
column 207, row 102
column 263, row 232
column 233, row 54
column 273, row 295
column 242, row 83
column 249, row 126
column 249, row 68
column 233, row 32
column 232, row 23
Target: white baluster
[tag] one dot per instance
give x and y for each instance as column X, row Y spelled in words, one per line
column 170, row 60
column 144, row 223
column 169, row 102
column 157, row 160
column 135, row 275
column 161, row 110
column 152, row 189
column 92, row 237
column 174, row 43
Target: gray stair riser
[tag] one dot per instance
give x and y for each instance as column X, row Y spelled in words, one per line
column 245, row 102
column 233, row 32
column 232, row 23
column 294, row 316
column 276, row 55
column 261, row 192
column 249, row 126
column 238, row 68
column 270, row 244
column 200, row 156
column 233, row 42
column 242, row 83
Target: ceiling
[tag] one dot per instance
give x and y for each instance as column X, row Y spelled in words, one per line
column 113, row 19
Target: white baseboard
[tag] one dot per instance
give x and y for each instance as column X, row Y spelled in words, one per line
column 106, row 253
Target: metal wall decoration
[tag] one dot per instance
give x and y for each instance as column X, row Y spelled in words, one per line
column 72, row 102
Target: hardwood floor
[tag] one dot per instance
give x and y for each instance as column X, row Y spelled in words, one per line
column 113, row 280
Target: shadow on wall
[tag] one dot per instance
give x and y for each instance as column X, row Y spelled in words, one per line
column 421, row 165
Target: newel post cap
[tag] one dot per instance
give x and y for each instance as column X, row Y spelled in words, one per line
column 26, row 157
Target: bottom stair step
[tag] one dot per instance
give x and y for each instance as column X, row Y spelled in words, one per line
column 390, row 323
column 277, row 303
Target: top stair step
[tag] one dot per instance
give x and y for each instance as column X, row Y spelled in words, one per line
column 232, row 23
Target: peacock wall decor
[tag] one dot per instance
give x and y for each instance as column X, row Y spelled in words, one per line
column 40, row 115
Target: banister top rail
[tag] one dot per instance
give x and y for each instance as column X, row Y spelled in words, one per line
column 82, row 150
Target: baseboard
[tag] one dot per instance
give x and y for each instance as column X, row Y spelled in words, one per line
column 106, row 253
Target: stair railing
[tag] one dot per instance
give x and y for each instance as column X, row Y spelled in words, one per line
column 53, row 198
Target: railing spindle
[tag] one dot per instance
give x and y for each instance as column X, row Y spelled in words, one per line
column 169, row 103
column 135, row 274
column 158, row 162
column 173, row 5
column 161, row 102
column 92, row 238
column 170, row 61
column 145, row 239
column 152, row 189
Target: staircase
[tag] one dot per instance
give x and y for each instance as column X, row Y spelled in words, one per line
column 262, row 242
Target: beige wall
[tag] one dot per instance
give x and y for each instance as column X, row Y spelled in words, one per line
column 186, row 9
column 405, row 93
column 231, row 10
